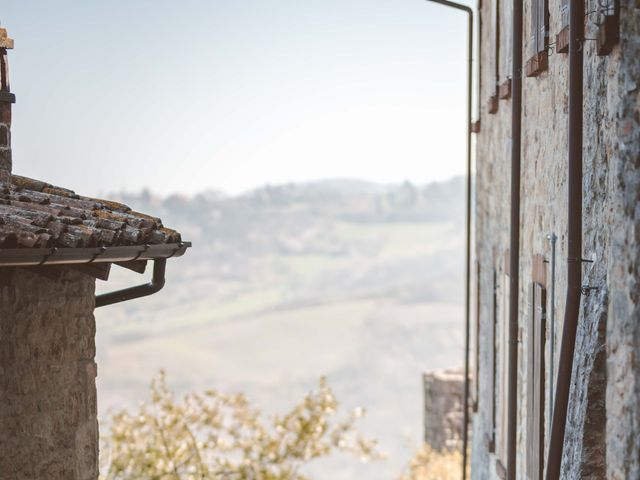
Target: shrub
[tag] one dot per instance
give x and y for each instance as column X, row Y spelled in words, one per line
column 430, row 464
column 218, row 436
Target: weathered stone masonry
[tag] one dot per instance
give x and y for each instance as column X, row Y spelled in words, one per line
column 603, row 431
column 48, row 423
column 54, row 243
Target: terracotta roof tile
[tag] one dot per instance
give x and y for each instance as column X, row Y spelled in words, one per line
column 35, row 214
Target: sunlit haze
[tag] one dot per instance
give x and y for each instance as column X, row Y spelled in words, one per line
column 229, row 95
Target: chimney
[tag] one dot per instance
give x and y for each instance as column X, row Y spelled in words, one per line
column 6, row 99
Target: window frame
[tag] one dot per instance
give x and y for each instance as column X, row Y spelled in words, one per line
column 608, row 27
column 562, row 38
column 539, row 38
column 493, row 374
column 494, row 9
column 536, row 371
column 476, row 370
column 506, row 43
column 502, row 412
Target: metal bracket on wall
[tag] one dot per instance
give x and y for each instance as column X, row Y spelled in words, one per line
column 586, row 289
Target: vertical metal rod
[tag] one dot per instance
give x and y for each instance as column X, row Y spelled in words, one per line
column 514, row 247
column 467, row 313
column 574, row 239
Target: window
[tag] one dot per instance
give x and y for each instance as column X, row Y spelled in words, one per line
column 494, row 7
column 536, row 371
column 493, row 328
column 503, row 371
column 605, row 14
column 562, row 39
column 608, row 13
column 506, row 49
column 538, row 61
column 476, row 372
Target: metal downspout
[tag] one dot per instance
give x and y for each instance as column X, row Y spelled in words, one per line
column 156, row 284
column 467, row 311
column 514, row 241
column 574, row 239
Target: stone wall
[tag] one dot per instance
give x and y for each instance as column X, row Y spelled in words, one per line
column 48, row 426
column 443, row 395
column 623, row 323
column 603, row 433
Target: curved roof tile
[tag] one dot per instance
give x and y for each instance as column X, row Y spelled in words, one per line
column 35, row 214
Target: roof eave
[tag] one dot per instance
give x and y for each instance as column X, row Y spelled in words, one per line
column 24, row 257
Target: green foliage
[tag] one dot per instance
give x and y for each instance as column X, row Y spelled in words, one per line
column 218, row 436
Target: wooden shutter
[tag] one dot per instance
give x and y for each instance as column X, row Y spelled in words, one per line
column 562, row 38
column 476, row 373
column 607, row 13
column 493, row 374
column 539, row 26
column 564, row 13
column 506, row 49
column 503, row 380
column 609, row 25
column 539, row 16
column 536, row 330
column 543, row 26
column 495, row 58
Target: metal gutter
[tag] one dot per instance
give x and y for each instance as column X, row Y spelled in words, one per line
column 131, row 293
column 25, row 257
column 467, row 312
column 574, row 239
column 514, row 247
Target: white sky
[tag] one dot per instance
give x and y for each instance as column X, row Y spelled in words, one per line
column 228, row 94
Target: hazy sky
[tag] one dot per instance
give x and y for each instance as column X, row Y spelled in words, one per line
column 229, row 94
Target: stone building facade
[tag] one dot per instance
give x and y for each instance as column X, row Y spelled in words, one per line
column 54, row 244
column 602, row 437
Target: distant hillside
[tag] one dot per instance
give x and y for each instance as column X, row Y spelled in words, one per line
column 357, row 281
column 296, row 218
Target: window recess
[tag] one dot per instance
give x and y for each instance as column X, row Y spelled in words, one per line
column 490, row 439
column 539, row 39
column 506, row 49
column 536, row 334
column 492, row 104
column 476, row 370
column 502, row 368
column 562, row 38
column 607, row 19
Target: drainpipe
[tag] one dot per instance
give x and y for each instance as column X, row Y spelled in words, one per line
column 131, row 293
column 514, row 242
column 552, row 324
column 467, row 291
column 574, row 239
